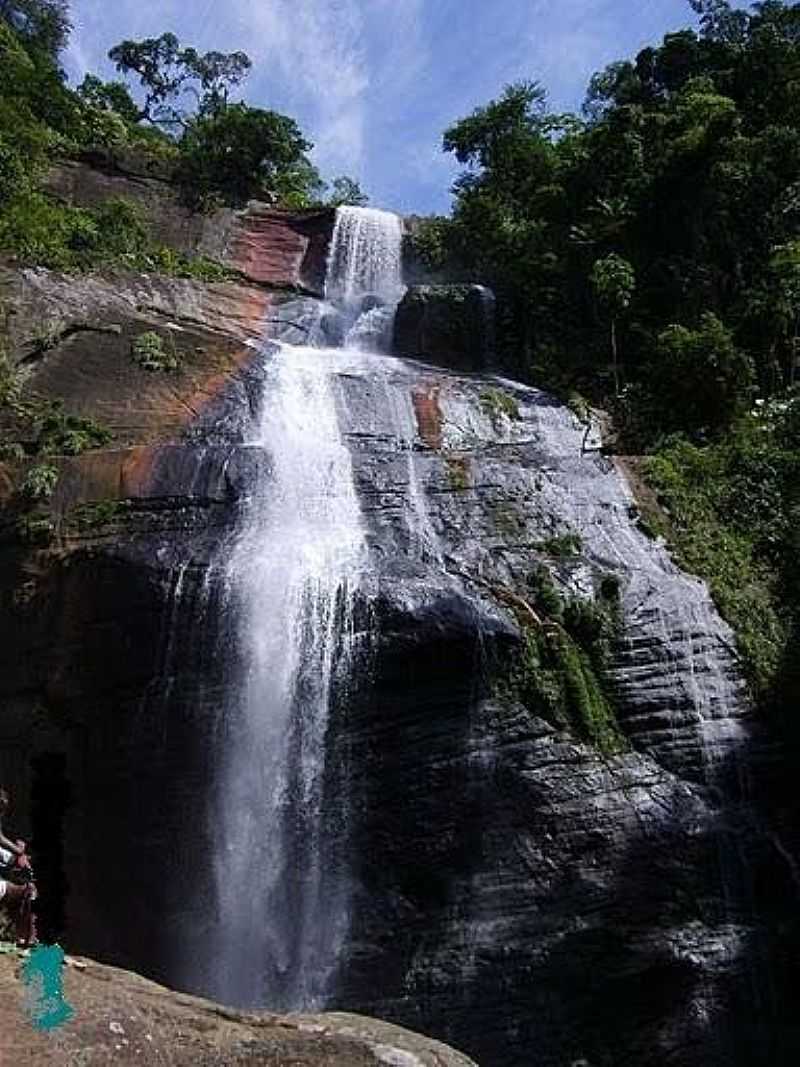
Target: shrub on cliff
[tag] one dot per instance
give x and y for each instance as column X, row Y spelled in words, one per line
column 732, row 507
column 40, row 482
column 560, row 671
column 151, row 352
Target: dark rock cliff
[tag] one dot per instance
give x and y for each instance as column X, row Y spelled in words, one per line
column 515, row 892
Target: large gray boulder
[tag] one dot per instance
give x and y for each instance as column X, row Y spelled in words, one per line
column 450, row 325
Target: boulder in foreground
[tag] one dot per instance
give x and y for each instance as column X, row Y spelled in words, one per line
column 122, row 1018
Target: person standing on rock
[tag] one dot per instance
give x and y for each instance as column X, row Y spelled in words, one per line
column 17, row 890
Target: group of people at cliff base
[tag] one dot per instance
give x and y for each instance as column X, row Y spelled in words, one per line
column 17, row 888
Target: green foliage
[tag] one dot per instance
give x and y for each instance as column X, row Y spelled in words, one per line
column 46, row 233
column 680, row 189
column 221, row 153
column 564, row 546
column 164, row 260
column 42, row 232
column 502, row 133
column 152, row 353
column 346, row 190
column 614, row 283
column 96, row 515
column 40, row 482
column 39, row 427
column 562, row 670
column 167, row 70
column 732, row 510
column 62, row 434
column 429, row 242
column 243, row 152
column 13, row 172
column 700, row 379
column 109, row 96
column 35, row 527
column 42, row 24
column 500, row 406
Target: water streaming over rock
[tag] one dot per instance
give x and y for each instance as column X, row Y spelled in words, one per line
column 282, row 887
column 365, row 258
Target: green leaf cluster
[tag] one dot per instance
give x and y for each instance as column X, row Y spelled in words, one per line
column 179, row 122
column 153, row 353
column 40, row 482
column 561, row 671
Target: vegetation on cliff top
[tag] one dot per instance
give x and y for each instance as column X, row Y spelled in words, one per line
column 217, row 152
column 179, row 117
column 646, row 254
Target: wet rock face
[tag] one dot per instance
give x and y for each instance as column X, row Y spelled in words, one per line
column 73, row 339
column 505, row 872
column 450, row 325
column 514, row 892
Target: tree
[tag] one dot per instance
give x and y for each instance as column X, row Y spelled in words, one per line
column 720, row 22
column 42, row 23
column 614, row 283
column 700, row 379
column 506, row 144
column 241, row 152
column 346, row 191
column 109, row 96
column 167, row 71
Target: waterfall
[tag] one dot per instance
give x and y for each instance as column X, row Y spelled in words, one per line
column 292, row 575
column 365, row 258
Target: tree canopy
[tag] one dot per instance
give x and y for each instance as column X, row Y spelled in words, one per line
column 167, row 71
column 685, row 164
column 667, row 213
column 173, row 111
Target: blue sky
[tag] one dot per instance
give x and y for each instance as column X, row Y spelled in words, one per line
column 375, row 82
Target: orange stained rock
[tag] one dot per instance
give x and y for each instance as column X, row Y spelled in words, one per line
column 429, row 415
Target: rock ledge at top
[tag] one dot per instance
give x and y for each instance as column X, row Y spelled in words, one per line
column 272, row 247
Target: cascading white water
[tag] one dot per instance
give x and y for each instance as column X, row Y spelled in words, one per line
column 282, row 897
column 365, row 257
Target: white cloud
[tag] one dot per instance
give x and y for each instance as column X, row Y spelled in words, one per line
column 313, row 56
